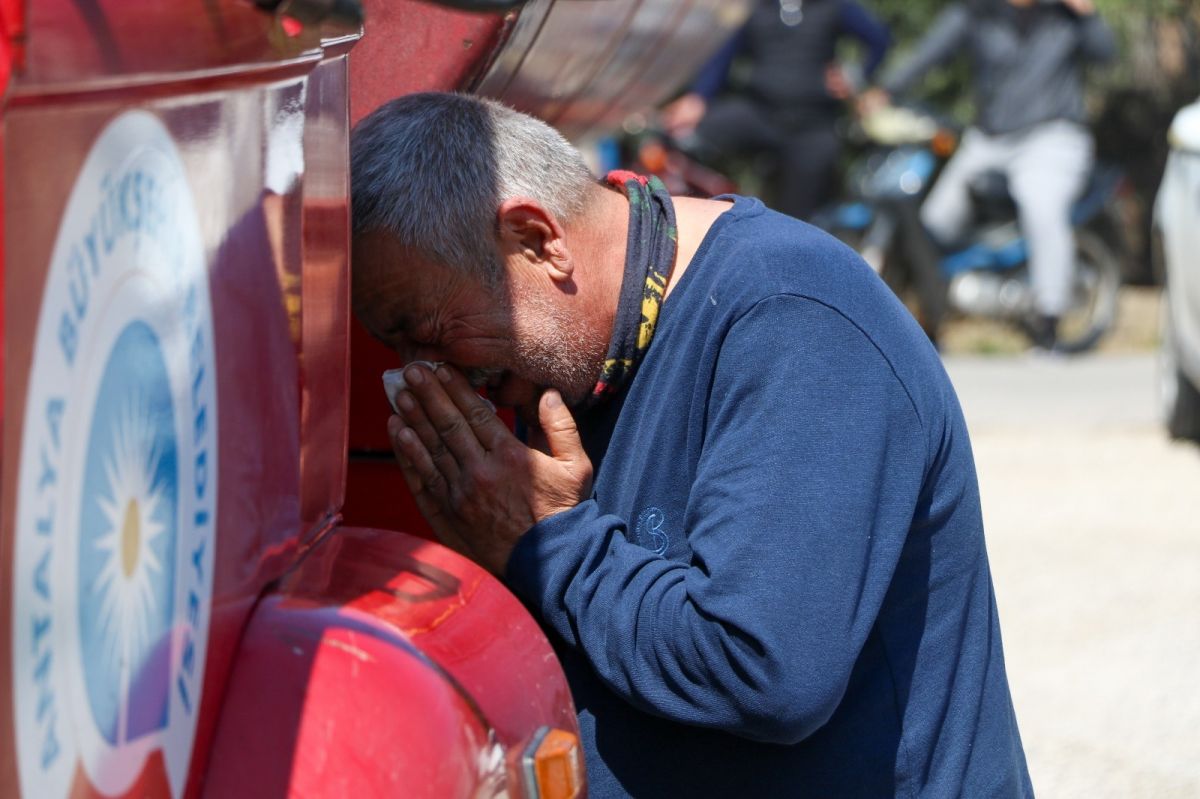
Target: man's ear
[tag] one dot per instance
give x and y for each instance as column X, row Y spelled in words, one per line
column 531, row 232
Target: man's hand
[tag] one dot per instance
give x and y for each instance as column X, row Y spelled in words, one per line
column 680, row 117
column 872, row 101
column 479, row 487
column 837, row 82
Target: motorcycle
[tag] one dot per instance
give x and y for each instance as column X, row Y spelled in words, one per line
column 646, row 147
column 986, row 274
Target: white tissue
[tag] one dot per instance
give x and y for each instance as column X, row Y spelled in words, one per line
column 394, row 382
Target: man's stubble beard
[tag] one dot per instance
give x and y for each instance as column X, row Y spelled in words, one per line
column 554, row 348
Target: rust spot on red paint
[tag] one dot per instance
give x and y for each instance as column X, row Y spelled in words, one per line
column 464, row 596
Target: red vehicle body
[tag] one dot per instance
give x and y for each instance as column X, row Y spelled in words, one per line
column 185, row 606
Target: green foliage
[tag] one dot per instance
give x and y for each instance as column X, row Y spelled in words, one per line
column 908, row 18
column 946, row 88
column 1117, row 9
column 1139, row 25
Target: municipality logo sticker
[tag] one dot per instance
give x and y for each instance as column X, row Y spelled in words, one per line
column 118, row 483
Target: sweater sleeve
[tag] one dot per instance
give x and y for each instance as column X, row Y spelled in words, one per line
column 712, row 76
column 864, row 26
column 803, row 494
column 1097, row 44
column 946, row 35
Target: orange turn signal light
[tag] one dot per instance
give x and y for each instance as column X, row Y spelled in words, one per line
column 944, row 143
column 553, row 765
column 653, row 156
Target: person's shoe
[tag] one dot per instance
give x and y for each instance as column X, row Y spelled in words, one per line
column 1043, row 332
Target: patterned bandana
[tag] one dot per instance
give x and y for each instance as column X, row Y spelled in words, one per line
column 649, row 254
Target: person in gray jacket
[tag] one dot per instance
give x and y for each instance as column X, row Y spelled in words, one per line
column 1027, row 58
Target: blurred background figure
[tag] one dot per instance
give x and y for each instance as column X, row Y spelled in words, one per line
column 788, row 105
column 1026, row 58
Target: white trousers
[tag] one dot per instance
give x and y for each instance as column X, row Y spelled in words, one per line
column 1047, row 167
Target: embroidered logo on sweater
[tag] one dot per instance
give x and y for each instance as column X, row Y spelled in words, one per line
column 650, row 532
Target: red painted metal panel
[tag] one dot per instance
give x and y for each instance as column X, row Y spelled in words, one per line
column 410, row 46
column 5, row 65
column 370, row 409
column 221, row 141
column 378, row 497
column 257, row 123
column 377, row 646
column 328, row 702
column 324, row 292
column 12, row 34
column 88, row 42
column 454, row 612
column 8, row 754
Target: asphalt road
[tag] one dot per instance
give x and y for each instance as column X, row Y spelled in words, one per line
column 1093, row 528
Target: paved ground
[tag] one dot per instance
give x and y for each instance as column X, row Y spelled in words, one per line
column 1093, row 524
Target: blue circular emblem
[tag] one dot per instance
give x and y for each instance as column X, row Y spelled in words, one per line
column 127, row 541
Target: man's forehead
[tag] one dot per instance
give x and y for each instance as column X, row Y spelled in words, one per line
column 385, row 278
column 380, row 262
column 398, row 288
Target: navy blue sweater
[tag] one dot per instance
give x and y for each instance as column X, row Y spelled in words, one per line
column 780, row 587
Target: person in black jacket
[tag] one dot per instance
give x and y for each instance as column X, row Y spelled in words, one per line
column 789, row 106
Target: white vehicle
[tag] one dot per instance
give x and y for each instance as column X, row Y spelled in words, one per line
column 1177, row 240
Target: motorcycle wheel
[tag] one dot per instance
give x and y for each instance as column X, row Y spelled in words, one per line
column 1094, row 306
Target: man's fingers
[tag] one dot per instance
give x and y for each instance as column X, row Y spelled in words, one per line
column 394, row 425
column 414, row 417
column 412, row 455
column 452, row 429
column 569, row 480
column 489, row 430
column 558, row 425
column 440, row 522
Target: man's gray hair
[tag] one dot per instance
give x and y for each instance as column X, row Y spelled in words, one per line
column 433, row 168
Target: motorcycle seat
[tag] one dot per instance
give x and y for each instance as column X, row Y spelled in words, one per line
column 992, row 199
column 990, row 196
